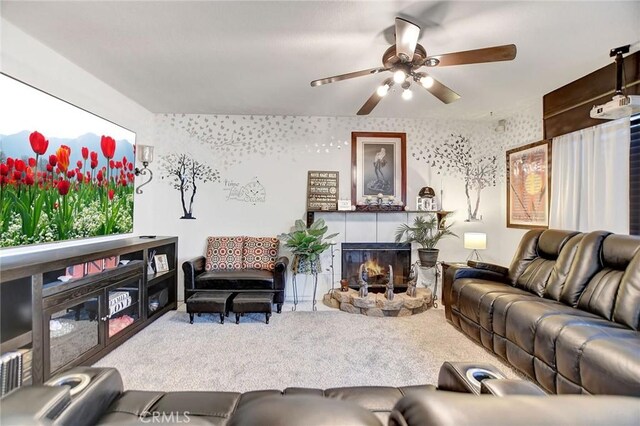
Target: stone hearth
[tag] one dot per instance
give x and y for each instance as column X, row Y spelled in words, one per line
column 377, row 305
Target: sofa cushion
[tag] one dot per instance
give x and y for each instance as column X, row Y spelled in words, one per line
column 584, row 352
column 223, row 253
column 471, row 294
column 524, row 316
column 260, row 253
column 549, row 328
column 238, row 279
column 551, row 266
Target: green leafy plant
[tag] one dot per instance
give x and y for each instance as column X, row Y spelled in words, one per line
column 309, row 242
column 424, row 232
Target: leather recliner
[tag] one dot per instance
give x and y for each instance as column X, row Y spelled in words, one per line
column 103, row 402
column 566, row 313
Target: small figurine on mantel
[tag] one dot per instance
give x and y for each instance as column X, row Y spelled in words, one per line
column 363, row 276
column 413, row 281
column 344, row 285
column 389, row 293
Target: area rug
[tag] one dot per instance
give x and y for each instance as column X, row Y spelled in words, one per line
column 323, row 349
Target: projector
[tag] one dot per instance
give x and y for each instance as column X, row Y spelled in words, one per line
column 621, row 106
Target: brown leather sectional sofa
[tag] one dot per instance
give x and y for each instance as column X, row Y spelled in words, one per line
column 566, row 313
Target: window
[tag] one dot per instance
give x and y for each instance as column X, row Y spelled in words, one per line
column 634, row 177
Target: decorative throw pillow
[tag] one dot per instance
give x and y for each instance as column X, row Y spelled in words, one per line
column 223, row 253
column 260, row 253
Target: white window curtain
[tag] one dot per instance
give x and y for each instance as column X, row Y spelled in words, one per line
column 590, row 179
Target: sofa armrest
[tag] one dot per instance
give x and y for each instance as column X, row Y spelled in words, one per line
column 503, row 387
column 192, row 268
column 457, row 273
column 489, row 267
column 450, row 408
column 280, row 273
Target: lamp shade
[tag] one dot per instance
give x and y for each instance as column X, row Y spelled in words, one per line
column 475, row 240
column 145, row 153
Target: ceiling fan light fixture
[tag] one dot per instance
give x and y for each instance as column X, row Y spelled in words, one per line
column 431, row 62
column 382, row 90
column 399, row 76
column 426, row 81
column 407, row 94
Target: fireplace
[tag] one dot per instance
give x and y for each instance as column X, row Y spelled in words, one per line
column 377, row 257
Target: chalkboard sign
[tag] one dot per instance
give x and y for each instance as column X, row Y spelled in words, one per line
column 322, row 191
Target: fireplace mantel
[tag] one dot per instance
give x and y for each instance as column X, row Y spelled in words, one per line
column 440, row 213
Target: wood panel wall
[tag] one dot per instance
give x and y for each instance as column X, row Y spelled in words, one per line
column 566, row 109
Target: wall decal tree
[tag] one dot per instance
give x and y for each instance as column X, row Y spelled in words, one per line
column 459, row 158
column 184, row 172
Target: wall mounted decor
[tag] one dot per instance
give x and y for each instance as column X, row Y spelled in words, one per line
column 528, row 183
column 65, row 173
column 322, row 190
column 379, row 166
column 459, row 158
column 185, row 173
column 253, row 192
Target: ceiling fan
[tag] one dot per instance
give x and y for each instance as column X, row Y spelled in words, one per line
column 406, row 57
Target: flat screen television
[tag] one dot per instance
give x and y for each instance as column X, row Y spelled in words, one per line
column 65, row 173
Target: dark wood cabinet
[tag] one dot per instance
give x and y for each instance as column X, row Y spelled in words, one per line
column 72, row 306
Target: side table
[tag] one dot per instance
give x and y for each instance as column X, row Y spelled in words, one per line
column 436, row 273
column 447, row 282
column 295, row 291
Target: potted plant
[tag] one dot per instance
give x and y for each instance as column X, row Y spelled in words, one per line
column 427, row 233
column 307, row 244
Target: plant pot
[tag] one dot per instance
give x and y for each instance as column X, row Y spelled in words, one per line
column 428, row 257
column 302, row 265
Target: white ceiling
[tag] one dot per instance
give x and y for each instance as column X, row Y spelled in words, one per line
column 259, row 57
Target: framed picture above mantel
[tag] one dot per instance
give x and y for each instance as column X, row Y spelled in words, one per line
column 528, row 185
column 378, row 166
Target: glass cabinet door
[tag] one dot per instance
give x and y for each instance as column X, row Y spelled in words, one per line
column 123, row 306
column 74, row 332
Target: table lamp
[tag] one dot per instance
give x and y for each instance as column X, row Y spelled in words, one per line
column 475, row 241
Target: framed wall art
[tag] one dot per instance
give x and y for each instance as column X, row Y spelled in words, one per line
column 378, row 166
column 528, row 185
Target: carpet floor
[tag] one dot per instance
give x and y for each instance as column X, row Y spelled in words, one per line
column 323, row 349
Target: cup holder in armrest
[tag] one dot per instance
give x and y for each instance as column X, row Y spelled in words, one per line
column 77, row 381
column 476, row 375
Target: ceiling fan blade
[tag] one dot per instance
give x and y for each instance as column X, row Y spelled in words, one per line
column 373, row 100
column 488, row 54
column 407, row 35
column 347, row 76
column 441, row 91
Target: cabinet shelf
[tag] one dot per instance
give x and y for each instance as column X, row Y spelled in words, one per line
column 17, row 342
column 159, row 276
column 54, row 287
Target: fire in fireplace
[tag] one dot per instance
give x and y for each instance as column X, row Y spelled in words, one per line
column 377, row 257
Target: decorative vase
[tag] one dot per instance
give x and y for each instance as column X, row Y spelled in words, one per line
column 344, row 285
column 303, row 265
column 428, row 257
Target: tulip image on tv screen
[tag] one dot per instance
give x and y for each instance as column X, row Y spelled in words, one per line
column 65, row 173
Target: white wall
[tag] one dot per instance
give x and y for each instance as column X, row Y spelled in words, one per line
column 28, row 60
column 279, row 151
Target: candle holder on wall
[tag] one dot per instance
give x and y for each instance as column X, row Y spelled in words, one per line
column 145, row 156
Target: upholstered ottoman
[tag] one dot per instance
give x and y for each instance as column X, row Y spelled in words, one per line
column 210, row 303
column 245, row 303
